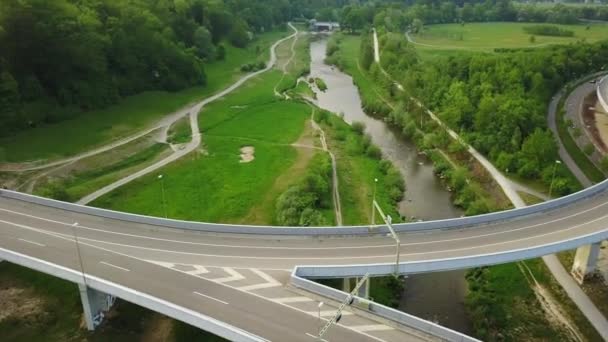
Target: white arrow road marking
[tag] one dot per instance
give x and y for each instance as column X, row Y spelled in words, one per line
column 209, row 297
column 270, row 282
column 372, row 327
column 292, row 299
column 32, row 242
column 234, row 276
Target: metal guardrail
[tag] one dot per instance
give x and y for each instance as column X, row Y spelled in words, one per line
column 316, row 231
column 398, row 317
column 602, row 93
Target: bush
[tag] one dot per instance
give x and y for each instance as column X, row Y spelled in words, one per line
column 358, row 127
column 548, row 30
column 374, row 152
column 589, row 149
column 300, row 204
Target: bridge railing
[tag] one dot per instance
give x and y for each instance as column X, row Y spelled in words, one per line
column 312, row 231
column 396, row 316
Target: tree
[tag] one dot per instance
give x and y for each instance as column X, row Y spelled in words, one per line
column 204, row 44
column 239, row 35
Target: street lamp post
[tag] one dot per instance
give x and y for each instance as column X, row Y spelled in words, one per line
column 162, row 189
column 84, row 279
column 320, row 326
column 373, row 201
column 553, row 177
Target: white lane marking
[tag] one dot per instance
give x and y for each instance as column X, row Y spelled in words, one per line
column 315, row 337
column 329, row 313
column 291, row 299
column 372, row 327
column 578, row 213
column 209, row 297
column 350, row 257
column 234, row 276
column 118, row 267
column 270, row 282
column 162, row 263
column 32, row 242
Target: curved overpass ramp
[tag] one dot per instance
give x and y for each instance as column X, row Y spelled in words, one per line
column 150, row 261
column 602, row 93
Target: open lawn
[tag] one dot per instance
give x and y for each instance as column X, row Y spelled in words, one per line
column 130, row 115
column 485, row 37
column 215, row 185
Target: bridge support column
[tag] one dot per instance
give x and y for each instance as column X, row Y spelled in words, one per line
column 585, row 261
column 364, row 289
column 94, row 304
column 349, row 284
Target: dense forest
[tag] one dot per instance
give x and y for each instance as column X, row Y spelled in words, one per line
column 61, row 57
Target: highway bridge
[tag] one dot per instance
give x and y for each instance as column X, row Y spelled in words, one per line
column 247, row 283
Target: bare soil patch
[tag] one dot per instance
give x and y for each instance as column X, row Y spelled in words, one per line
column 19, row 303
column 247, row 154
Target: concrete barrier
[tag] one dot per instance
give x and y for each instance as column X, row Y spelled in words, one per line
column 602, row 93
column 398, row 317
column 316, row 231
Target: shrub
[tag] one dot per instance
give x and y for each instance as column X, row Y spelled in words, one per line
column 358, row 127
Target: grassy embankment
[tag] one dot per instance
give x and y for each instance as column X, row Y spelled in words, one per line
column 494, row 290
column 213, row 185
column 447, row 39
column 131, row 114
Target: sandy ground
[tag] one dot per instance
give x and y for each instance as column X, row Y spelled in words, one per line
column 247, row 154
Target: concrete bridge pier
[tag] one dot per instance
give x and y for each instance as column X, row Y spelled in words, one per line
column 585, row 261
column 349, row 284
column 94, row 304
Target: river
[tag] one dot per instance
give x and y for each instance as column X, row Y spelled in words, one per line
column 437, row 296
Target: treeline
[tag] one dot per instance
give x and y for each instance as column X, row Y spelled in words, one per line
column 62, row 57
column 399, row 17
column 497, row 102
column 548, row 30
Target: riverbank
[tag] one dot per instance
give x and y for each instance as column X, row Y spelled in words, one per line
column 383, row 92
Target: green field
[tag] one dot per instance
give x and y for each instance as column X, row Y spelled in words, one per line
column 485, row 37
column 132, row 114
column 214, row 185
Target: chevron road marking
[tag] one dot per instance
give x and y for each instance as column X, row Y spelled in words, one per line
column 234, row 276
column 198, row 270
column 270, row 282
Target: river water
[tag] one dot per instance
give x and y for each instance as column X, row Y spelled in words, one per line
column 436, row 296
